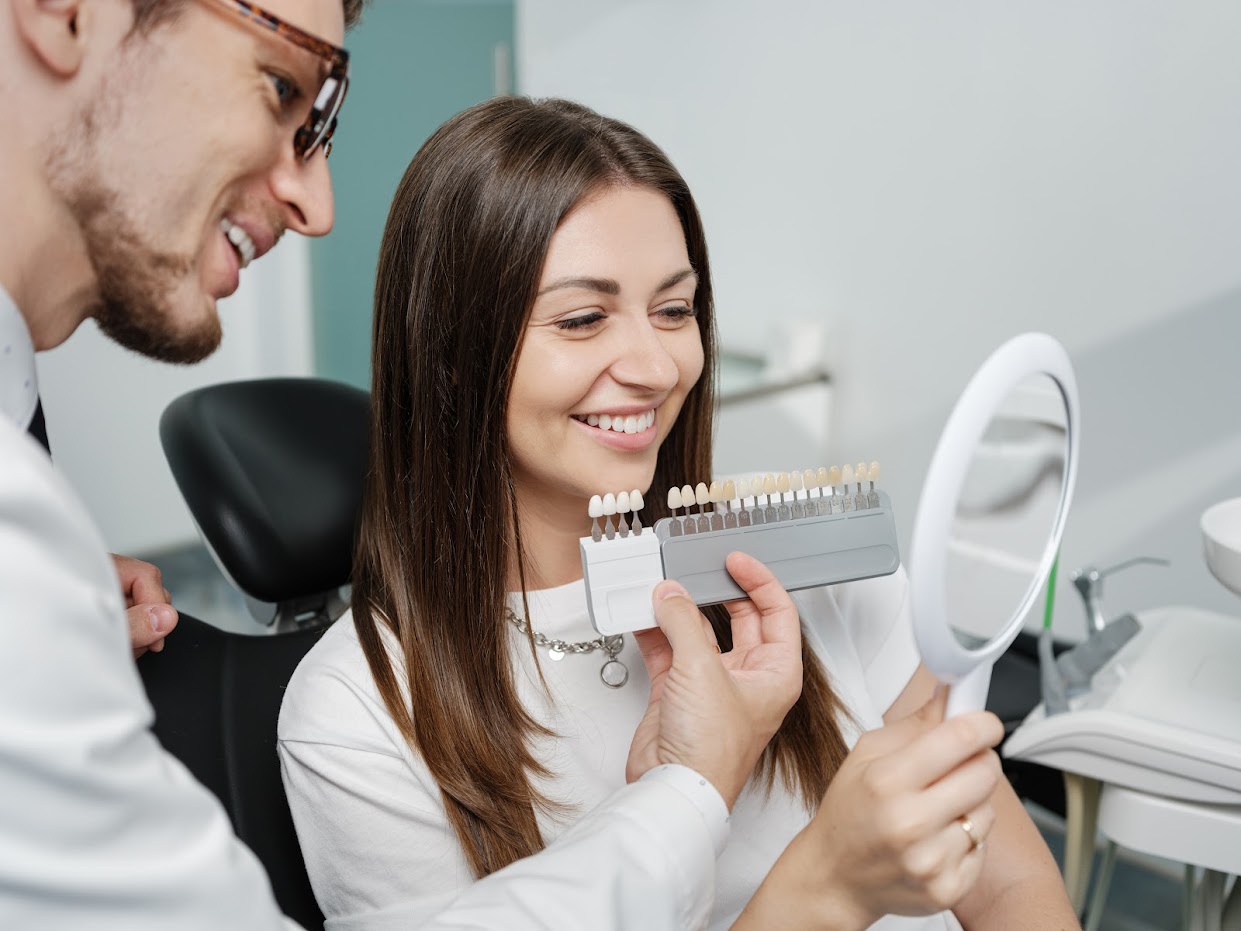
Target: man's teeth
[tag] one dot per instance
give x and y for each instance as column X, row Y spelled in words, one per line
column 630, row 423
column 241, row 241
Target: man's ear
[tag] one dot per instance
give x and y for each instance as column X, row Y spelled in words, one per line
column 52, row 31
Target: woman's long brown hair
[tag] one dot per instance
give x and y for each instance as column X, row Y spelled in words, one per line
column 459, row 267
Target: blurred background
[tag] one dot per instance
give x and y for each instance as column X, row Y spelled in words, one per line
column 890, row 191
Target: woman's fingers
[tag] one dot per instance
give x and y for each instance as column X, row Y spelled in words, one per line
column 921, row 752
column 968, row 833
column 965, row 788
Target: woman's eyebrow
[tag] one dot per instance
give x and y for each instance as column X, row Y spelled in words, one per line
column 610, row 286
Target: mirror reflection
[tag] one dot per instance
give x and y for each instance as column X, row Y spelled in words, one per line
column 1006, row 513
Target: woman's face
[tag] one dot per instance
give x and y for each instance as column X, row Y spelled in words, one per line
column 610, row 352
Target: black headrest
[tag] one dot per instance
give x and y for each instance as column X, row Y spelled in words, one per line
column 273, row 471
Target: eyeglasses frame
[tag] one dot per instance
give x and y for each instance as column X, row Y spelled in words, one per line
column 320, row 124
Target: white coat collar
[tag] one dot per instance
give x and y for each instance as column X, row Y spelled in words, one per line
column 19, row 387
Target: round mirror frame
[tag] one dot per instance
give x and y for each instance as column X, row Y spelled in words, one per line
column 1021, row 357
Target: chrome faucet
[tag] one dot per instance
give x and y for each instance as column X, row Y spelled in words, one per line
column 1089, row 584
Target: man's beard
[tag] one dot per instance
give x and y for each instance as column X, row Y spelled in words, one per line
column 137, row 304
column 137, row 299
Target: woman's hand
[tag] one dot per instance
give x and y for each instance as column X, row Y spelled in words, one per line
column 890, row 835
column 716, row 713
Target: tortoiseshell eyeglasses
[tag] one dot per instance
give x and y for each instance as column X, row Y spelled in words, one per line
column 320, row 122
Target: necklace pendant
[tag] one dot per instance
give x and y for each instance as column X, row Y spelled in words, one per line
column 555, row 654
column 614, row 674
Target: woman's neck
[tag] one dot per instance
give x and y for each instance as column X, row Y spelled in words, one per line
column 550, row 535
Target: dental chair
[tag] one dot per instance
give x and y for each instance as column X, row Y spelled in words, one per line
column 272, row 471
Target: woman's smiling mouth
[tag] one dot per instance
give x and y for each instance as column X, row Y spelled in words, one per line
column 619, row 423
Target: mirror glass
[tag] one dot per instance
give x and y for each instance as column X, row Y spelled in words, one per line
column 1006, row 513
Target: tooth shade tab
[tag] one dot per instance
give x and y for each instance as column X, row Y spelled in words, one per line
column 609, row 504
column 742, row 488
column 702, row 494
column 821, row 477
column 717, row 492
column 846, row 478
column 795, row 481
column 622, row 502
column 595, row 508
column 730, row 490
column 833, row 475
column 635, row 500
column 861, row 472
column 874, row 472
column 782, row 483
column 769, row 484
column 687, row 496
column 674, row 498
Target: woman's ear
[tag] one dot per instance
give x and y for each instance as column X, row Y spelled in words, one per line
column 52, row 31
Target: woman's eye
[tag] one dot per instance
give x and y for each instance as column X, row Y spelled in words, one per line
column 580, row 323
column 676, row 313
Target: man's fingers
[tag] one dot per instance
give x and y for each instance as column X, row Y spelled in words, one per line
column 149, row 624
column 141, row 582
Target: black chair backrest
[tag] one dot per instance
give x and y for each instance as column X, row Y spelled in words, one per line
column 273, row 472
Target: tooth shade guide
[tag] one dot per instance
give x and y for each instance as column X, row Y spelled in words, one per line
column 783, row 486
column 622, row 508
column 770, row 515
column 727, row 496
column 595, row 510
column 687, row 498
column 822, row 481
column 609, row 508
column 797, row 484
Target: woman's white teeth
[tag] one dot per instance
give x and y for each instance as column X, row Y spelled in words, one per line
column 241, row 241
column 631, row 423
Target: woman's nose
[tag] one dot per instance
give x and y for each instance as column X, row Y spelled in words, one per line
column 643, row 360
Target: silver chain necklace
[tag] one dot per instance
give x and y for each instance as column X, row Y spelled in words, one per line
column 614, row 673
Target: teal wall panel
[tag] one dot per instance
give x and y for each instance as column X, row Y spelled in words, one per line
column 415, row 63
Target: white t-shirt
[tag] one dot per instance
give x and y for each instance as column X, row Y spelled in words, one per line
column 369, row 814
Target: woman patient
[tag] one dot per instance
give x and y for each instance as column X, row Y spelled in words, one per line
column 543, row 333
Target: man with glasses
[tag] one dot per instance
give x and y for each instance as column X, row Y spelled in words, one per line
column 151, row 150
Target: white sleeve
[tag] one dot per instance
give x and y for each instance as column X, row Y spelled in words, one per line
column 381, row 854
column 99, row 827
column 643, row 859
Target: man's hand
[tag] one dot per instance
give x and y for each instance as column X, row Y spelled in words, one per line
column 148, row 604
column 716, row 712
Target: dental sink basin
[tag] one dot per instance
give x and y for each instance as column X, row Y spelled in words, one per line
column 1221, row 539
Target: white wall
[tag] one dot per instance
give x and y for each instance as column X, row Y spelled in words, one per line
column 103, row 403
column 928, row 179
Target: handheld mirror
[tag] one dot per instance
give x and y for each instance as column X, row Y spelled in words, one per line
column 992, row 512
